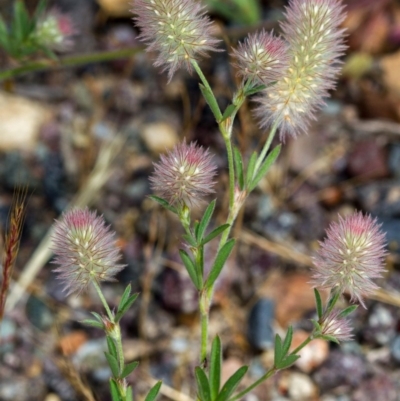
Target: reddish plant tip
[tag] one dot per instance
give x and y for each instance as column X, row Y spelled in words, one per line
column 334, row 325
column 84, row 249
column 351, row 256
column 262, row 58
column 185, row 175
column 177, row 29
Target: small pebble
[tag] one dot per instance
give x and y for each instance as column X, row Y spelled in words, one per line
column 260, row 332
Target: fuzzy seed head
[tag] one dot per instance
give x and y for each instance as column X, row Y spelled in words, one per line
column 177, row 29
column 84, row 249
column 336, row 326
column 351, row 256
column 185, row 175
column 315, row 45
column 54, row 31
column 262, row 58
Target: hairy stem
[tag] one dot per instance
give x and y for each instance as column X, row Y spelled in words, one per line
column 266, row 147
column 204, row 312
column 103, row 301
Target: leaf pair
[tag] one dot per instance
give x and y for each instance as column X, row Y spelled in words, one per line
column 253, row 176
column 209, row 387
column 126, row 302
column 282, row 358
column 197, row 240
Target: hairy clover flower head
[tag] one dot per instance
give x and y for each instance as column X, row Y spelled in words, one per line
column 262, row 58
column 184, row 175
column 336, row 326
column 177, row 29
column 312, row 29
column 351, row 256
column 84, row 249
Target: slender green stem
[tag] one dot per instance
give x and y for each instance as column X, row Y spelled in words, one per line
column 231, row 166
column 303, row 344
column 266, row 147
column 271, row 371
column 103, row 301
column 214, row 104
column 69, row 61
column 266, row 376
column 204, row 310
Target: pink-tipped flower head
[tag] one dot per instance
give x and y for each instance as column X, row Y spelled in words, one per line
column 54, row 31
column 351, row 256
column 262, row 58
column 84, row 249
column 334, row 325
column 312, row 29
column 185, row 175
column 177, row 29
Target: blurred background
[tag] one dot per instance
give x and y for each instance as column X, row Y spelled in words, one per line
column 88, row 135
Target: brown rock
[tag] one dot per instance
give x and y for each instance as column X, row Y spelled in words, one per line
column 70, row 343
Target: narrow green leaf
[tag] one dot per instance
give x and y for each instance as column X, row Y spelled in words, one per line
column 124, row 308
column 237, row 157
column 97, row 316
column 112, row 349
column 152, row 395
column 346, row 312
column 92, row 323
column 125, row 296
column 203, row 385
column 25, row 21
column 190, row 267
column 114, row 391
column 205, row 221
column 215, row 367
column 332, row 301
column 219, row 262
column 255, row 89
column 318, row 303
column 288, row 341
column 288, row 361
column 278, row 354
column 17, row 26
column 214, row 233
column 41, row 7
column 129, row 368
column 228, row 112
column 196, row 228
column 250, row 168
column 129, row 394
column 265, row 167
column 211, row 101
column 164, row 203
column 113, row 363
column 317, row 326
column 190, row 240
column 231, row 384
column 3, row 34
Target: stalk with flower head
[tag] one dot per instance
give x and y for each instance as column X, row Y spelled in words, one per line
column 291, row 76
column 86, row 254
